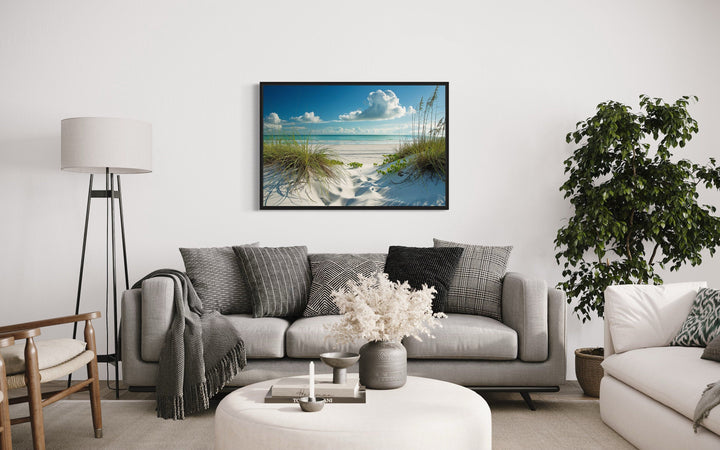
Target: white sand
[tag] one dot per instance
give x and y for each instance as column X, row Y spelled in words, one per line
column 362, row 186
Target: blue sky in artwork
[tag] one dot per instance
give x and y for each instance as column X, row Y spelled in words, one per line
column 344, row 109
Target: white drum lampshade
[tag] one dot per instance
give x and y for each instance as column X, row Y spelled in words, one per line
column 94, row 144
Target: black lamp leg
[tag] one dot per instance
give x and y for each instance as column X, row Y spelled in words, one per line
column 82, row 262
column 122, row 234
column 110, row 194
column 114, row 285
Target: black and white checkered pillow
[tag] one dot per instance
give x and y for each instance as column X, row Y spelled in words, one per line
column 477, row 285
column 332, row 271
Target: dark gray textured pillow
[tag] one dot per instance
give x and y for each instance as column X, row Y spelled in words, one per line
column 712, row 351
column 331, row 272
column 278, row 279
column 216, row 277
column 477, row 285
column 703, row 322
column 424, row 265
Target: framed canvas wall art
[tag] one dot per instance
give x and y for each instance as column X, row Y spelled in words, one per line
column 342, row 145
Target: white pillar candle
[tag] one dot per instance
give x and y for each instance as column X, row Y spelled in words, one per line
column 312, row 382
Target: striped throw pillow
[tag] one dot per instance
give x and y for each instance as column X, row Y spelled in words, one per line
column 278, row 279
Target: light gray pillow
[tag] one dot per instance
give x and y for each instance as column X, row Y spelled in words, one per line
column 278, row 279
column 476, row 287
column 332, row 271
column 712, row 351
column 216, row 277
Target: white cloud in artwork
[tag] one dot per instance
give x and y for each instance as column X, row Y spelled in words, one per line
column 273, row 119
column 308, row 117
column 382, row 105
column 272, row 122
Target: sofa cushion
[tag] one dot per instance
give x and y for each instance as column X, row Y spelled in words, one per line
column 264, row 337
column 465, row 336
column 331, row 272
column 216, row 277
column 640, row 316
column 476, row 287
column 673, row 376
column 419, row 265
column 278, row 279
column 307, row 337
column 703, row 322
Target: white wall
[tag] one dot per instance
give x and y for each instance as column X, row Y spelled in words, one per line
column 521, row 74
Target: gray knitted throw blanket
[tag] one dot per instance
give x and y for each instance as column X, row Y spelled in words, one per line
column 710, row 398
column 201, row 353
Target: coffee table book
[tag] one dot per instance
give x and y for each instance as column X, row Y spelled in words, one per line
column 359, row 398
column 299, row 386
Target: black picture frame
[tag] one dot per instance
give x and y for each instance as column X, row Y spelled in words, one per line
column 270, row 122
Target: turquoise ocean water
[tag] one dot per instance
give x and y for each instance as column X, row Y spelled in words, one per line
column 352, row 139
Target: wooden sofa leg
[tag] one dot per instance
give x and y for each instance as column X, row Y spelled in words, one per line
column 32, row 380
column 92, row 371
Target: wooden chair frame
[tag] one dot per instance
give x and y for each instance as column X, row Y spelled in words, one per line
column 35, row 398
column 5, row 437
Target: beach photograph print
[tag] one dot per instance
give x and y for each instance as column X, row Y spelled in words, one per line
column 354, row 145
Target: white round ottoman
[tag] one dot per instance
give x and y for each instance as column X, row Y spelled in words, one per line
column 423, row 414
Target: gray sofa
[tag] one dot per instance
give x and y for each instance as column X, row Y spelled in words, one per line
column 524, row 353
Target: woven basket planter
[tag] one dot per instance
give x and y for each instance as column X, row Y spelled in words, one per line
column 588, row 370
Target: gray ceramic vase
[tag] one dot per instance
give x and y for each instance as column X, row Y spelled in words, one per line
column 383, row 365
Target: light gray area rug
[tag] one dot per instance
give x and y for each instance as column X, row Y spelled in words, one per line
column 131, row 424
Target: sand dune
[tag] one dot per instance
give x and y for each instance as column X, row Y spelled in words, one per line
column 362, row 186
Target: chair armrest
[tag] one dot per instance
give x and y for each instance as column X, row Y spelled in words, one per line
column 525, row 310
column 7, row 341
column 20, row 334
column 50, row 322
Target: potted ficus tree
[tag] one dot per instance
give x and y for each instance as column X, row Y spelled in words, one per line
column 635, row 207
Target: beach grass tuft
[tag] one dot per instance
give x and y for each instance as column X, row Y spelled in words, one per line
column 425, row 154
column 299, row 162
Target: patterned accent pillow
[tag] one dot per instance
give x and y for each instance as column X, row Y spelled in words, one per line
column 424, row 265
column 703, row 322
column 331, row 272
column 278, row 279
column 477, row 285
column 217, row 279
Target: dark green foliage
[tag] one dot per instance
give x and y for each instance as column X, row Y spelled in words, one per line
column 635, row 208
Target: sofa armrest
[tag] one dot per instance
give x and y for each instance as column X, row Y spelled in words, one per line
column 156, row 310
column 136, row 372
column 525, row 310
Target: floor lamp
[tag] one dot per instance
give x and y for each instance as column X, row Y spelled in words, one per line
column 111, row 147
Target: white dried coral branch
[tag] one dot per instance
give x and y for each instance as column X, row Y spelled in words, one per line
column 377, row 309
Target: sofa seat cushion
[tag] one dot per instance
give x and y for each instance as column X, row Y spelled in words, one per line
column 466, row 336
column 264, row 337
column 673, row 376
column 307, row 337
